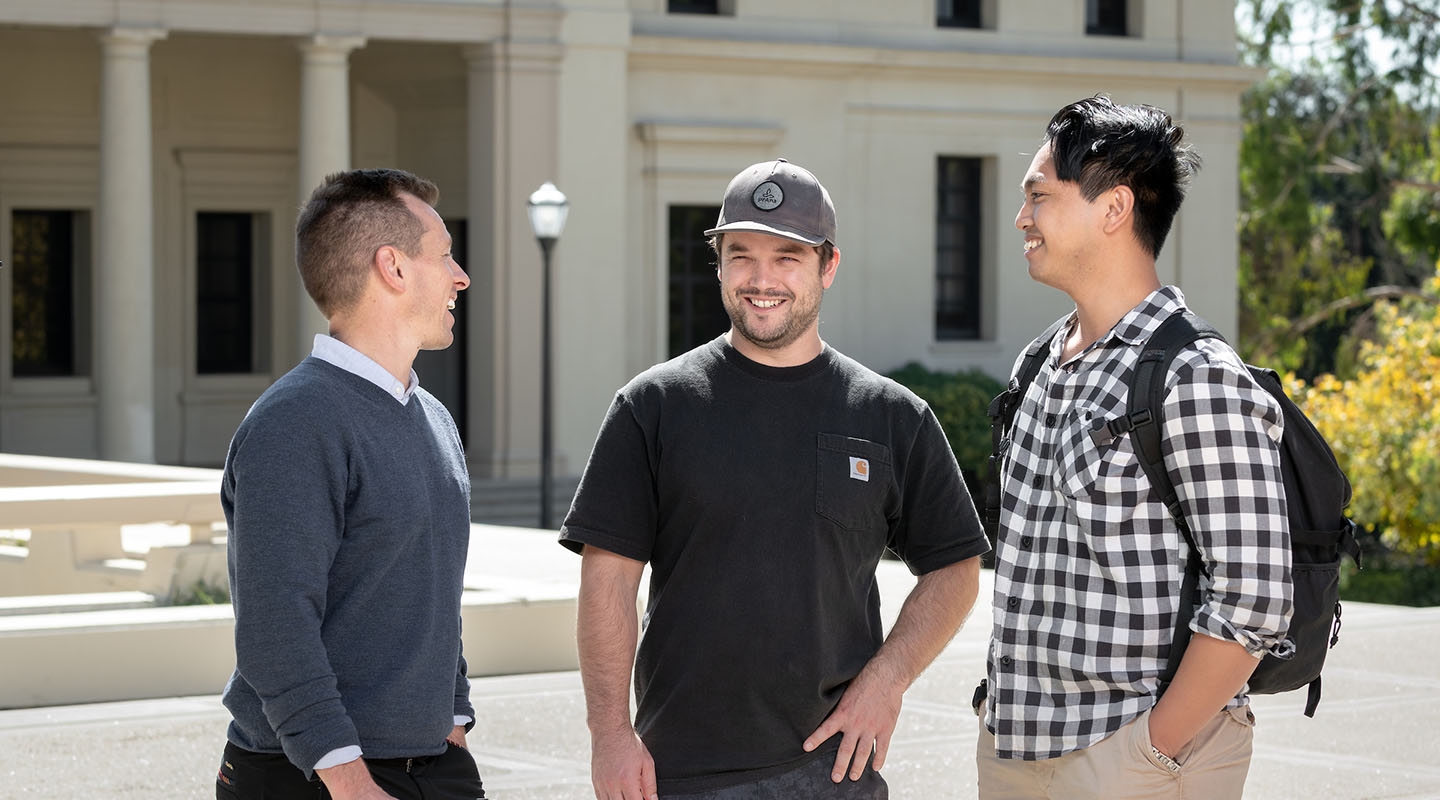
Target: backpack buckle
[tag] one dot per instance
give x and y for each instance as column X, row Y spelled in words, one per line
column 1111, row 429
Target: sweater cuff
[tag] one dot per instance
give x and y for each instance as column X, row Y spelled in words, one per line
column 335, row 758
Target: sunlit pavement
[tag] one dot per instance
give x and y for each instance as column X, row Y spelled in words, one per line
column 1376, row 735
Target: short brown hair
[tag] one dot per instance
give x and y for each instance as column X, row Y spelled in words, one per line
column 349, row 216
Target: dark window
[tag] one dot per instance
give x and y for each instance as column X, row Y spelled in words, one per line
column 49, row 293
column 696, row 313
column 443, row 372
column 225, row 282
column 957, row 249
column 1105, row 18
column 693, row 6
column 957, row 13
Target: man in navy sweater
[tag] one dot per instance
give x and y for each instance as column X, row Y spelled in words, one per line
column 347, row 499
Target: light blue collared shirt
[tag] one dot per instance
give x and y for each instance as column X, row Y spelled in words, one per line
column 333, row 351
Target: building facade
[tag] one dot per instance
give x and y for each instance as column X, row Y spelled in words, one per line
column 153, row 154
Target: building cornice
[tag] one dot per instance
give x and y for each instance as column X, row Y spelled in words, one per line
column 416, row 20
column 993, row 64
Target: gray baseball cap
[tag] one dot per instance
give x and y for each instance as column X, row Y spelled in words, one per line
column 781, row 199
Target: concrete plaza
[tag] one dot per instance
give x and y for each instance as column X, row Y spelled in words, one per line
column 1376, row 735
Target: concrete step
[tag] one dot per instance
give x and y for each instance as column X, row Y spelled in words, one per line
column 516, row 502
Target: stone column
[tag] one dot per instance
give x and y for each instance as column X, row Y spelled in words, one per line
column 125, row 252
column 324, row 143
column 513, row 89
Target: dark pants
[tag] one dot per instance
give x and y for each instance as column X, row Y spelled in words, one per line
column 812, row 780
column 451, row 775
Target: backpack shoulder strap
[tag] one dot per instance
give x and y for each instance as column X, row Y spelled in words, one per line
column 1146, row 403
column 1002, row 416
column 1035, row 359
column 1145, row 422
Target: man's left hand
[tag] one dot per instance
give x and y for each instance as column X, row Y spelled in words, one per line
column 867, row 713
column 457, row 737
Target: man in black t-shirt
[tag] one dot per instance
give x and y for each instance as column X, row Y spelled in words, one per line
column 762, row 476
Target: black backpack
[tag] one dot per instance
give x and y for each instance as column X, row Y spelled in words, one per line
column 1316, row 493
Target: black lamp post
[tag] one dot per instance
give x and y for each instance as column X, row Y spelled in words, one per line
column 548, row 209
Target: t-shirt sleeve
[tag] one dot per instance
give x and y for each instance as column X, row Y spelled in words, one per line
column 615, row 506
column 938, row 525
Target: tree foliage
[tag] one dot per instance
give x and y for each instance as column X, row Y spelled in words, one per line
column 1338, row 174
column 1384, row 424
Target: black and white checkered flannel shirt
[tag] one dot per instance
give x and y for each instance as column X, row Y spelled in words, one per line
column 1089, row 563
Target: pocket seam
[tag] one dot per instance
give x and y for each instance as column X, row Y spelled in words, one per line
column 841, row 445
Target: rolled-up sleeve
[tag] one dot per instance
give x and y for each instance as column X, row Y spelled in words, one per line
column 1222, row 433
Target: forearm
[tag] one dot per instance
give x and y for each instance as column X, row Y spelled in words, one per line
column 608, row 630
column 932, row 613
column 350, row 781
column 871, row 704
column 1211, row 672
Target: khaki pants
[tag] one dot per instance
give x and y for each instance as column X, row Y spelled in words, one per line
column 1212, row 767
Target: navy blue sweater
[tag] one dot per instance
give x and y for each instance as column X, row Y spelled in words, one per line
column 349, row 519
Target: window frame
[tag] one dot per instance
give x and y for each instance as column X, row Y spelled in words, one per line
column 974, row 245
column 81, row 292
column 689, row 280
column 261, row 271
column 228, row 182
column 1123, row 27
column 967, row 21
column 711, row 8
column 46, row 179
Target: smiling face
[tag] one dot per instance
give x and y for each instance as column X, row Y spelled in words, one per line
column 1059, row 224
column 433, row 280
column 772, row 288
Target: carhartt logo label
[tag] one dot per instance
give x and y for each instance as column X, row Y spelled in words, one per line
column 859, row 469
column 768, row 196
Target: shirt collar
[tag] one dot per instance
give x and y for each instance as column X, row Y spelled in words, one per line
column 1133, row 329
column 333, row 351
column 1143, row 320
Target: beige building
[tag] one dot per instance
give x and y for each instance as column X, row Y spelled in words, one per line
column 153, row 154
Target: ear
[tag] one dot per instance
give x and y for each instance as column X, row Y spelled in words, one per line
column 390, row 268
column 1119, row 208
column 827, row 271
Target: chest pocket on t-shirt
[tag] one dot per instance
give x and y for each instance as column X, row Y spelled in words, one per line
column 852, row 481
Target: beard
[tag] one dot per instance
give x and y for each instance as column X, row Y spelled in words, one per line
column 772, row 334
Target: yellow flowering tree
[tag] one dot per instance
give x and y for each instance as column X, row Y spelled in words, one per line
column 1384, row 425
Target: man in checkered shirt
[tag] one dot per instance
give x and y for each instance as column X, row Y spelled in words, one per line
column 1089, row 564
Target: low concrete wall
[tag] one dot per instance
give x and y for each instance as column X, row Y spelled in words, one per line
column 134, row 654
column 22, row 470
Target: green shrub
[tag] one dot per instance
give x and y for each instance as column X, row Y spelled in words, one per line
column 959, row 400
column 202, row 593
column 1394, row 577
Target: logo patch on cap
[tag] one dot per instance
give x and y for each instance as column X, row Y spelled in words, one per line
column 768, row 196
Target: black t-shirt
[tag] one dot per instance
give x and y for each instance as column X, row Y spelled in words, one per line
column 763, row 498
